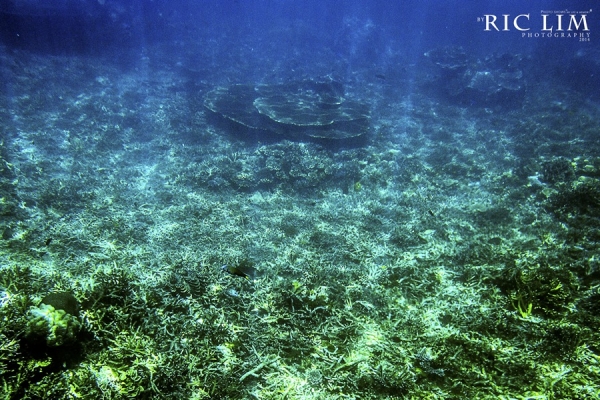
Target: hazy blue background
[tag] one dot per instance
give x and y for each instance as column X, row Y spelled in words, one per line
column 223, row 42
column 351, row 31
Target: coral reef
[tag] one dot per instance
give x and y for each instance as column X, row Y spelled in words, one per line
column 452, row 255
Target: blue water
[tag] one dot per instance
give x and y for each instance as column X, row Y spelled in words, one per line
column 362, row 32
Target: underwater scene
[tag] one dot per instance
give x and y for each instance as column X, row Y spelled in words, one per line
column 299, row 199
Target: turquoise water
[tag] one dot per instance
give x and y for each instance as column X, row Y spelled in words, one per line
column 445, row 249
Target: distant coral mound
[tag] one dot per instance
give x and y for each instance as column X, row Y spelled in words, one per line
column 306, row 108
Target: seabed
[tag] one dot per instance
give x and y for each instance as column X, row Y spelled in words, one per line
column 453, row 255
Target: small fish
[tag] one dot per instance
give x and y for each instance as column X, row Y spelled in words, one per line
column 235, row 271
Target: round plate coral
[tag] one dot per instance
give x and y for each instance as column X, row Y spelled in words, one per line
column 306, row 108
